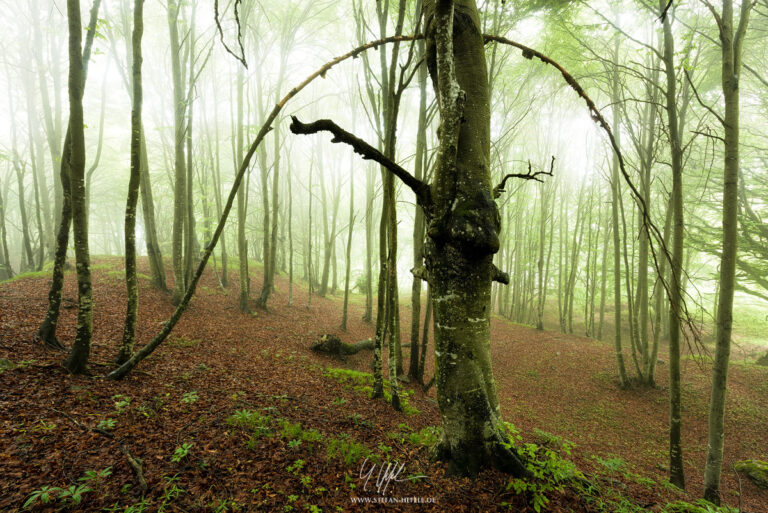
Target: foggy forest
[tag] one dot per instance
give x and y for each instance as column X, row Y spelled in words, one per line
column 384, row 255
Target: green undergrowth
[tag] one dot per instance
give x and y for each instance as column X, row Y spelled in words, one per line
column 553, row 473
column 362, row 382
column 263, row 424
column 27, row 275
column 427, row 437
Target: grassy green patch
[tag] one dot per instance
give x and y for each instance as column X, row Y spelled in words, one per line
column 28, row 275
column 362, row 382
column 427, row 437
column 347, row 449
column 182, row 341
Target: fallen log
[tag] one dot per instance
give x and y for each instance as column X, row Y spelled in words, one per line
column 332, row 345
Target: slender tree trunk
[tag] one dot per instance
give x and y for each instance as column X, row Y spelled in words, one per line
column 154, row 254
column 418, row 224
column 369, row 177
column 425, row 336
column 131, row 281
column 6, row 271
column 47, row 331
column 676, row 470
column 77, row 360
column 289, row 179
column 623, row 381
column 731, row 43
column 179, row 164
column 349, row 247
column 309, row 241
column 242, row 248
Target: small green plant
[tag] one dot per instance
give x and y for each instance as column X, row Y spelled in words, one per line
column 139, row 507
column 549, row 472
column 252, row 421
column 190, row 397
column 347, row 449
column 339, row 401
column 121, row 402
column 181, row 452
column 293, row 444
column 171, row 491
column 45, row 495
column 95, row 478
column 295, row 467
column 182, row 341
column 74, row 494
column 106, row 424
column 613, row 465
column 699, row 506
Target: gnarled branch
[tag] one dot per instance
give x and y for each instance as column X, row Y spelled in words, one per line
column 530, row 175
column 368, row 152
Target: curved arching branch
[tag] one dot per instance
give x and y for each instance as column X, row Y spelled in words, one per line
column 145, row 351
column 651, row 229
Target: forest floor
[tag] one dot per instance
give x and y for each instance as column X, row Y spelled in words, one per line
column 235, row 413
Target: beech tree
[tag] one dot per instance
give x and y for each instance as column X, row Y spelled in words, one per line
column 77, row 359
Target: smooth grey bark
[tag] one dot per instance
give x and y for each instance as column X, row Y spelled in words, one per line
column 623, row 381
column 179, row 159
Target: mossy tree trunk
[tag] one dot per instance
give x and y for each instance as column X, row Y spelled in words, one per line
column 676, row 470
column 731, row 40
column 47, row 331
column 131, row 281
column 463, row 237
column 77, row 360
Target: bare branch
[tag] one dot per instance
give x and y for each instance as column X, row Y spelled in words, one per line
column 368, row 152
column 698, row 98
column 530, row 175
column 240, row 57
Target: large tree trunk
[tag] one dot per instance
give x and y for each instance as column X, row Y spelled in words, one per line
column 131, row 281
column 77, row 360
column 463, row 238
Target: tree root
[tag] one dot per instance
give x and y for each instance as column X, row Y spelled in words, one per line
column 494, row 453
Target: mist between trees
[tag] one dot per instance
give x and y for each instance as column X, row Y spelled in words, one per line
column 634, row 134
